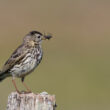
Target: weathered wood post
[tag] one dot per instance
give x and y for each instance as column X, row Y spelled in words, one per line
column 31, row 101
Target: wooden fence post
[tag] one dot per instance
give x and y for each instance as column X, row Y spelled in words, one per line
column 31, row 101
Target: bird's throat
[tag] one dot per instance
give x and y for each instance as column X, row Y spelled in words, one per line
column 32, row 43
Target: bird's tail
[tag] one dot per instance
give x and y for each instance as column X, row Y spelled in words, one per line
column 3, row 75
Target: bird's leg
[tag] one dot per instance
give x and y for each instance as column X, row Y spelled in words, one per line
column 14, row 83
column 28, row 90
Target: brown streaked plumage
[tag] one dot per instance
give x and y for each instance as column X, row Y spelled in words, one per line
column 25, row 58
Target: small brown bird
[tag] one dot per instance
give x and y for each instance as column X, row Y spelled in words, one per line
column 25, row 58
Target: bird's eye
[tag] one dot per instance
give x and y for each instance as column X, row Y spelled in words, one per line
column 38, row 36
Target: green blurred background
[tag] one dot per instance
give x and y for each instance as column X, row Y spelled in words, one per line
column 75, row 65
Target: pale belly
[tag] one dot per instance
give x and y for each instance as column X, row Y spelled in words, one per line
column 26, row 67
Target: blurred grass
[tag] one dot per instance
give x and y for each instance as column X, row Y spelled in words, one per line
column 75, row 65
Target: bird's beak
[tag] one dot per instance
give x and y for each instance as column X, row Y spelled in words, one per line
column 46, row 37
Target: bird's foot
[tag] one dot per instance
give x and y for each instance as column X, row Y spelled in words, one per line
column 25, row 92
column 18, row 92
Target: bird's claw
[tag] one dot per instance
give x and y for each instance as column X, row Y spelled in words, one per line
column 24, row 92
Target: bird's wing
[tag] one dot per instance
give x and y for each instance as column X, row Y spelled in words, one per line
column 16, row 57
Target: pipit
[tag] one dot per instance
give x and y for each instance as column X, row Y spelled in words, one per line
column 25, row 58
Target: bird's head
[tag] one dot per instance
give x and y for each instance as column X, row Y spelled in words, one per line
column 35, row 37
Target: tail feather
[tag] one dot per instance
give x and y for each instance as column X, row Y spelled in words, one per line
column 3, row 75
